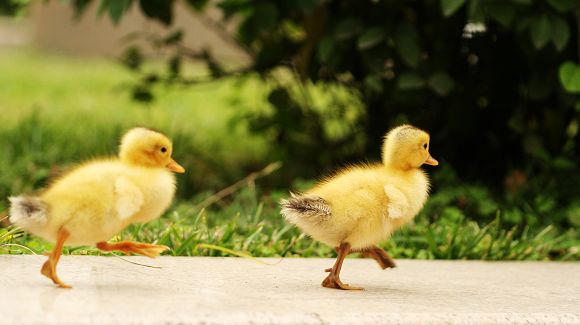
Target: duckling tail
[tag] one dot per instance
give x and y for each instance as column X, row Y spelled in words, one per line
column 298, row 209
column 28, row 212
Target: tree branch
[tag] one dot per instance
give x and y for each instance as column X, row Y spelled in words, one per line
column 248, row 180
column 314, row 27
column 226, row 36
column 578, row 30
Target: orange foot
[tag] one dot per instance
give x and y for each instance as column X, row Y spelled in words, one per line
column 128, row 247
column 49, row 270
column 333, row 281
column 378, row 254
column 49, row 267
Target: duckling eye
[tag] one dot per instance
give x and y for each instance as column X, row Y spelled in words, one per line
column 163, row 149
column 424, row 146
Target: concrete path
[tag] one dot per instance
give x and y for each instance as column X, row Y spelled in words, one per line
column 185, row 290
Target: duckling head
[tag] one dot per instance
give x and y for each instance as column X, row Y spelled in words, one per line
column 144, row 147
column 406, row 147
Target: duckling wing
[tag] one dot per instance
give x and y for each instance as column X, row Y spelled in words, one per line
column 129, row 198
column 398, row 203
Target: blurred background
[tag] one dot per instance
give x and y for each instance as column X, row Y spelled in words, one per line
column 262, row 97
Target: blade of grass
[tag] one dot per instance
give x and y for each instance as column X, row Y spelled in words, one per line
column 235, row 253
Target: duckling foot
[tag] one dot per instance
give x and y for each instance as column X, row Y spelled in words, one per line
column 332, row 281
column 127, row 247
column 383, row 258
column 49, row 270
column 49, row 267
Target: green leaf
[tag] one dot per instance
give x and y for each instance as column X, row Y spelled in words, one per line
column 347, row 28
column 410, row 80
column 374, row 84
column 142, row 94
column 174, row 66
column 560, row 33
column 80, row 6
column 232, row 7
column 569, row 74
column 115, row 8
column 325, row 49
column 441, row 83
column 502, row 12
column 197, row 5
column 306, row 6
column 160, row 10
column 132, row 58
column 265, row 16
column 449, row 7
column 540, row 31
column 214, row 67
column 523, row 23
column 475, row 11
column 103, row 7
column 174, row 37
column 407, row 42
column 563, row 5
column 522, row 2
column 370, row 38
column 563, row 163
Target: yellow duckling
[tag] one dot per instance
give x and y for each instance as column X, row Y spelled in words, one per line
column 96, row 200
column 363, row 205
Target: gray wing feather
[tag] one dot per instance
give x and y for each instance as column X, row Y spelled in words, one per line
column 305, row 208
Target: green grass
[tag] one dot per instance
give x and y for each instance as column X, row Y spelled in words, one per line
column 57, row 111
column 250, row 223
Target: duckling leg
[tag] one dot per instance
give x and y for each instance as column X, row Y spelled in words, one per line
column 127, row 247
column 385, row 260
column 49, row 267
column 333, row 278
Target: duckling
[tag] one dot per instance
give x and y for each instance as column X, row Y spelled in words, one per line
column 98, row 199
column 363, row 205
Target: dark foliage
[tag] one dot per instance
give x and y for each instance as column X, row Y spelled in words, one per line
column 12, row 7
column 495, row 82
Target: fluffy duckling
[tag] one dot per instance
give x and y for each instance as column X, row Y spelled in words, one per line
column 363, row 205
column 96, row 200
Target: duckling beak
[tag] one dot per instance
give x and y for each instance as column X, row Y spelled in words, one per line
column 431, row 161
column 175, row 167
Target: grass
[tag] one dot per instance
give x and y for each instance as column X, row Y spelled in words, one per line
column 48, row 102
column 57, row 111
column 250, row 223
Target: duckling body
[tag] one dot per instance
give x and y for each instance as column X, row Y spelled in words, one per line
column 363, row 212
column 98, row 199
column 363, row 205
column 107, row 196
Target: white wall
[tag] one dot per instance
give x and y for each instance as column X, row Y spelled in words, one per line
column 55, row 28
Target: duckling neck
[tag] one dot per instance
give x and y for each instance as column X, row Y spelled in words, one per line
column 136, row 163
column 398, row 165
